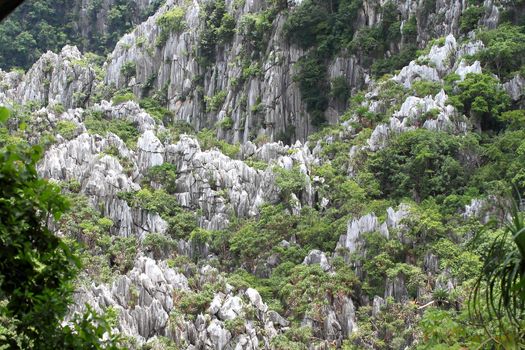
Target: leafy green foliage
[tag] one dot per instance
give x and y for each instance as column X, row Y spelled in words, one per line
column 219, row 28
column 214, row 103
column 255, row 28
column 424, row 88
column 504, row 51
column 37, row 268
column 481, row 97
column 515, row 119
column 225, row 123
column 397, row 61
column 421, row 164
column 123, row 97
column 253, row 237
column 96, row 124
column 500, row 285
column 208, row 140
column 181, row 223
column 160, row 245
column 128, row 70
column 194, row 303
column 67, row 129
column 444, row 329
column 326, row 27
column 294, row 338
column 340, row 89
column 156, row 110
column 470, row 18
column 41, row 25
column 307, row 288
column 308, row 24
column 171, row 21
column 165, row 175
column 312, row 81
column 290, row 181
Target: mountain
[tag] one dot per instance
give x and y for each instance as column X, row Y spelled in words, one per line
column 275, row 174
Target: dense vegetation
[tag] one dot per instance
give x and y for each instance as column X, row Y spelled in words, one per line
column 37, row 268
column 42, row 25
column 461, row 278
column 326, row 28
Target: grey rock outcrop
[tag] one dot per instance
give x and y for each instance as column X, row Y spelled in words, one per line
column 352, row 242
column 317, row 257
column 65, row 78
column 144, row 299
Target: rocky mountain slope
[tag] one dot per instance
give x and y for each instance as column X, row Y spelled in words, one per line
column 281, row 174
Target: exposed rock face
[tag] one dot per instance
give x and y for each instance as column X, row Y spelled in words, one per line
column 430, row 112
column 62, row 78
column 516, row 88
column 352, row 240
column 266, row 104
column 101, row 178
column 144, row 301
column 94, row 20
column 317, row 257
column 202, row 175
column 175, row 66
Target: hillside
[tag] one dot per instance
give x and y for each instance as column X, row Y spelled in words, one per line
column 249, row 174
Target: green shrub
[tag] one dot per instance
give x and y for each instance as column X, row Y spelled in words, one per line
column 128, row 69
column 470, row 17
column 255, row 28
column 156, row 110
column 158, row 201
column 67, row 129
column 122, row 253
column 312, row 80
column 422, row 88
column 481, row 97
column 294, row 338
column 160, row 245
column 219, row 28
column 194, row 303
column 164, row 174
column 208, row 140
column 397, row 61
column 504, row 51
column 290, row 182
column 306, row 288
column 171, row 21
column 58, row 108
column 307, row 24
column 182, row 224
column 410, row 29
column 421, row 163
column 123, row 97
column 235, row 326
column 126, row 130
column 252, row 238
column 340, row 90
column 514, row 119
column 214, row 103
column 225, row 123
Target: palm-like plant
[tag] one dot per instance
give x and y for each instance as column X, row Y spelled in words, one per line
column 499, row 292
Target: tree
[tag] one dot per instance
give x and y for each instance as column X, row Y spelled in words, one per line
column 504, row 50
column 36, row 267
column 422, row 163
column 481, row 97
column 499, row 291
